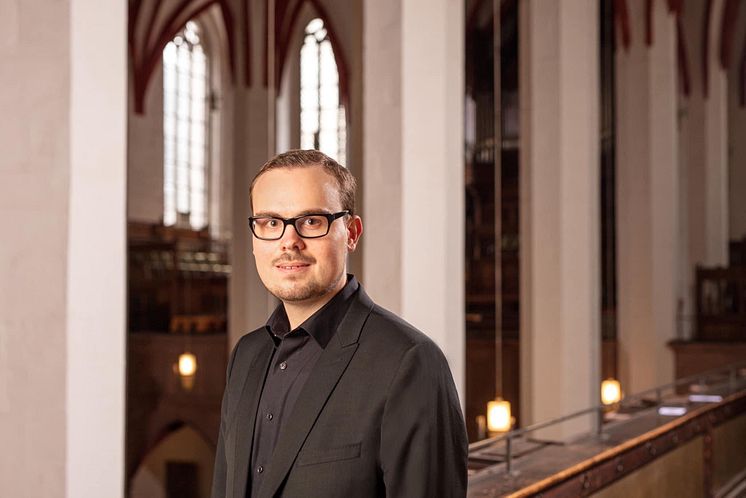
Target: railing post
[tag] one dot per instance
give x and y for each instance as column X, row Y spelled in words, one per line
column 508, row 453
column 732, row 380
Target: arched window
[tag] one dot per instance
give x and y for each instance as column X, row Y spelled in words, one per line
column 322, row 117
column 185, row 129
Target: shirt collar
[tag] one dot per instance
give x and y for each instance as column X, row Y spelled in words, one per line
column 322, row 324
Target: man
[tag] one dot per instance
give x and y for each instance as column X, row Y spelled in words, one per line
column 335, row 396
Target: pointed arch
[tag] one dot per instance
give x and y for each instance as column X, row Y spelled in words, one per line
column 164, row 428
column 728, row 31
column 203, row 448
column 160, row 28
column 287, row 14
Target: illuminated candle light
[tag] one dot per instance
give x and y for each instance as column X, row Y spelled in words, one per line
column 187, row 364
column 498, row 416
column 611, row 392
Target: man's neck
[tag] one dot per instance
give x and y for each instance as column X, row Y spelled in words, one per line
column 299, row 312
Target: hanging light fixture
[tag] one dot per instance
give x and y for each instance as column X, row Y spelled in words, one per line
column 611, row 392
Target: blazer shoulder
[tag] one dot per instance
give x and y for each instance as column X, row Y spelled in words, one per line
column 247, row 345
column 396, row 334
column 255, row 337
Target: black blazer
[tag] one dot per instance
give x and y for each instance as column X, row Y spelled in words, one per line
column 378, row 416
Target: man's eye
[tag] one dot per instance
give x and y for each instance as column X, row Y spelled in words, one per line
column 267, row 223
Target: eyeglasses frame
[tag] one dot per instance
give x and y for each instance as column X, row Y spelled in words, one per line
column 291, row 221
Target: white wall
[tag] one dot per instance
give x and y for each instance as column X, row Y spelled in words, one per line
column 145, row 154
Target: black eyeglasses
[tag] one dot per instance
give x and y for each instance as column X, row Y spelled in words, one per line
column 308, row 226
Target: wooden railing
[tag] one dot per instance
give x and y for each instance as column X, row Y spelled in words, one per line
column 700, row 432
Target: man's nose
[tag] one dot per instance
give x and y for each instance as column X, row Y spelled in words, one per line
column 291, row 240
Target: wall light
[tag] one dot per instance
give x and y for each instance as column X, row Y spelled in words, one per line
column 611, row 392
column 498, row 416
column 187, row 368
column 187, row 364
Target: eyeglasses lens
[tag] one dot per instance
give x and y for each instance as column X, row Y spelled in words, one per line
column 306, row 226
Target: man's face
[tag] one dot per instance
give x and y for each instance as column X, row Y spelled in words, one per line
column 294, row 269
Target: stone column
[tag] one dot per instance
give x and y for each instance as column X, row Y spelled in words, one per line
column 96, row 250
column 703, row 148
column 705, row 124
column 413, row 166
column 560, row 206
column 249, row 302
column 62, row 260
column 716, row 233
column 647, row 200
column 736, row 143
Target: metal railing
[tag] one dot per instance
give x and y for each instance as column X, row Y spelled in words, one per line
column 733, row 371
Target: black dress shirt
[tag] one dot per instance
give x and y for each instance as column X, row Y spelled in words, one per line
column 293, row 358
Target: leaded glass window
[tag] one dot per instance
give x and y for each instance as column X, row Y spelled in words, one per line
column 322, row 116
column 185, row 128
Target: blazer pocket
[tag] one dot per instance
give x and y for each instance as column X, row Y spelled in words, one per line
column 325, row 455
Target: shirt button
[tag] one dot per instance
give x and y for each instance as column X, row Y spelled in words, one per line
column 259, row 469
column 270, row 416
column 283, row 365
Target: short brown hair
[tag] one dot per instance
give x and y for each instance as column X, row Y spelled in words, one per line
column 299, row 158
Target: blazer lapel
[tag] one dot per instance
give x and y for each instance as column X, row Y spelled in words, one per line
column 245, row 416
column 319, row 386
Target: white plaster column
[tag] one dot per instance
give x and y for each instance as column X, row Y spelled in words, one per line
column 705, row 121
column 96, row 251
column 413, row 166
column 249, row 303
column 647, row 200
column 716, row 148
column 703, row 159
column 736, row 142
column 63, row 71
column 34, row 183
column 560, row 206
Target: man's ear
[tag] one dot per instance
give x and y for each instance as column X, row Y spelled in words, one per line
column 354, row 231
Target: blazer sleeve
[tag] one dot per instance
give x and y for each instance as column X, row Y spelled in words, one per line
column 423, row 449
column 220, row 469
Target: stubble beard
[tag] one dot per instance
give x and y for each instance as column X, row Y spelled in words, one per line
column 294, row 292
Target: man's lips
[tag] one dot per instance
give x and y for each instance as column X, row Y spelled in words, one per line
column 292, row 266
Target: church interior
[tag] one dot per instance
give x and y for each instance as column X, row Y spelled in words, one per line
column 553, row 191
